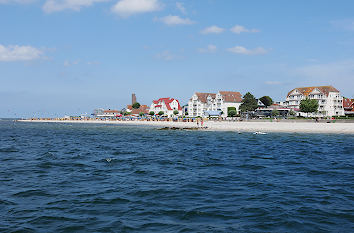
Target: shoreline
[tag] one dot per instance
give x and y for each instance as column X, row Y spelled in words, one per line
column 267, row 127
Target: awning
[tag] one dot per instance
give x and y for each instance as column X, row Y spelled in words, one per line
column 212, row 113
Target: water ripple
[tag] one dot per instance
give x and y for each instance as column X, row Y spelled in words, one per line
column 109, row 178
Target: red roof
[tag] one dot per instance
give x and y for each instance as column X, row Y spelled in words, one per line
column 167, row 102
column 231, row 96
column 307, row 90
column 111, row 111
column 348, row 104
column 204, row 96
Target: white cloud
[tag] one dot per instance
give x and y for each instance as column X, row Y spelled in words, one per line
column 175, row 20
column 238, row 29
column 166, row 55
column 71, row 63
column 213, row 30
column 345, row 24
column 209, row 49
column 126, row 8
column 19, row 53
column 181, row 8
column 243, row 50
column 60, row 5
column 16, row 1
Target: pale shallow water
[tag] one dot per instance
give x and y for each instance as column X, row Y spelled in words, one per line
column 110, row 178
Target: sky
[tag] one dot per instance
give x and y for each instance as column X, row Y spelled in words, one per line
column 68, row 57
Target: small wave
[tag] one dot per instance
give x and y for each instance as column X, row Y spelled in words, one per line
column 31, row 193
column 124, row 152
column 9, row 149
column 6, row 202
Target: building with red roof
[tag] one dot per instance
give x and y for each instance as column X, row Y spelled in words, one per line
column 330, row 101
column 167, row 105
column 348, row 105
column 202, row 104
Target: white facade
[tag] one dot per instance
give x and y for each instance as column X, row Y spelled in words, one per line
column 106, row 113
column 330, row 101
column 200, row 103
column 166, row 105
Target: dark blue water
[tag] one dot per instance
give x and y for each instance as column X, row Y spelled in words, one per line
column 109, row 178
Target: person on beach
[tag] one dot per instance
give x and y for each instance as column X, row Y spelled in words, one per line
column 201, row 123
column 197, row 122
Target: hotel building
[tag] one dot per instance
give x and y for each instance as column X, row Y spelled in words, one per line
column 330, row 101
column 202, row 104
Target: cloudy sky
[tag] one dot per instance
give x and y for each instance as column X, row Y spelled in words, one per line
column 70, row 56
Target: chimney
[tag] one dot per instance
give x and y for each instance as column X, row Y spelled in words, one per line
column 133, row 99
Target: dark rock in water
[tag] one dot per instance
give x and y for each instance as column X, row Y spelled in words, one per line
column 169, row 128
column 178, row 128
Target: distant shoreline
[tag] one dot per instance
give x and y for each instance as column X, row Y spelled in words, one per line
column 239, row 126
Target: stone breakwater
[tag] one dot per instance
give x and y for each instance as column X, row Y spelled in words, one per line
column 286, row 127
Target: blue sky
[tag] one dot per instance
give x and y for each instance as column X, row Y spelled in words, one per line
column 62, row 57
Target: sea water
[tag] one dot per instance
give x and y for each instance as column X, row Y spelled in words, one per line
column 57, row 177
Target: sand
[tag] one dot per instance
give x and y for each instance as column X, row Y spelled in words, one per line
column 286, row 127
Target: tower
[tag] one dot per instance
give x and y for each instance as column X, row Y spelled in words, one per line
column 133, row 99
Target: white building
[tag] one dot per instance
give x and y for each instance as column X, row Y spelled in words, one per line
column 202, row 103
column 167, row 106
column 106, row 113
column 330, row 102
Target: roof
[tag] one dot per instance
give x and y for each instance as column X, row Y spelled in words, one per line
column 167, row 102
column 143, row 108
column 231, row 96
column 111, row 111
column 348, row 103
column 203, row 96
column 130, row 107
column 307, row 90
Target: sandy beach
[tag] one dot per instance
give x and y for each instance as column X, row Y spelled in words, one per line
column 286, row 127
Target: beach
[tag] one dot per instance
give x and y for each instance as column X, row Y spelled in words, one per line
column 238, row 126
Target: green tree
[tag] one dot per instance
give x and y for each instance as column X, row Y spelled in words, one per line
column 151, row 113
column 266, row 100
column 275, row 112
column 175, row 112
column 308, row 105
column 126, row 113
column 249, row 103
column 231, row 109
column 141, row 114
column 232, row 113
column 161, row 113
column 136, row 105
column 292, row 113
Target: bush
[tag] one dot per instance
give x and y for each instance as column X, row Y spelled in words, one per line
column 231, row 109
column 151, row 113
column 175, row 112
column 161, row 113
column 232, row 113
column 141, row 114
